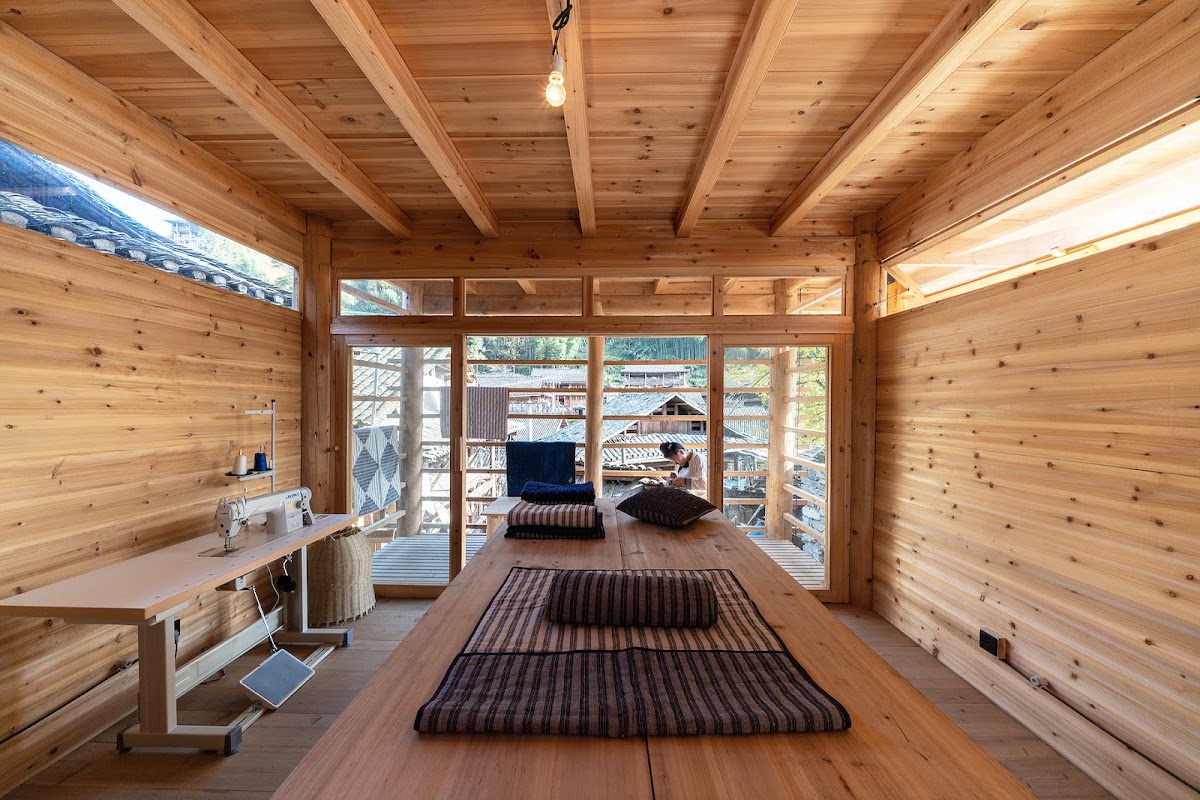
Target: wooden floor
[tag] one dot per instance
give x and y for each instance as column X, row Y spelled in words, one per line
column 275, row 744
column 797, row 563
column 424, row 560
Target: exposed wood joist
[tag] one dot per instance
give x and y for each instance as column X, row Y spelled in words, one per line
column 1136, row 91
column 367, row 297
column 53, row 109
column 765, row 28
column 360, row 31
column 532, row 258
column 570, row 47
column 960, row 33
column 178, row 25
column 800, row 305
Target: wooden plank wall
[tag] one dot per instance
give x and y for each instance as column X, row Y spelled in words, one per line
column 1037, row 476
column 121, row 397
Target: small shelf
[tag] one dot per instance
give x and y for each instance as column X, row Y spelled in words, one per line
column 251, row 475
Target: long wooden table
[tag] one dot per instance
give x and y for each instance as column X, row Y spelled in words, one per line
column 150, row 591
column 899, row 745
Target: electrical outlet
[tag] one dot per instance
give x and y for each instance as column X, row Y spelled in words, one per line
column 993, row 644
column 238, row 584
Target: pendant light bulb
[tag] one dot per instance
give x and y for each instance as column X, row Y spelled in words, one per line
column 556, row 92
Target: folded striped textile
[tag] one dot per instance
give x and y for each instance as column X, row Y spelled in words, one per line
column 553, row 493
column 521, row 673
column 562, row 521
column 607, row 597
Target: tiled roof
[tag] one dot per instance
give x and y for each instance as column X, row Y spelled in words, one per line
column 86, row 219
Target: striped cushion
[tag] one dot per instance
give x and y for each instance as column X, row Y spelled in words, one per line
column 664, row 505
column 600, row 597
column 563, row 515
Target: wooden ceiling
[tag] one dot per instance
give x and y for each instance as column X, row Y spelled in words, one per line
column 682, row 123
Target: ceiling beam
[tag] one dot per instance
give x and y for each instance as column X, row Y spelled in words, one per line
column 178, row 25
column 358, row 28
column 55, row 110
column 960, row 33
column 801, row 305
column 570, row 47
column 765, row 28
column 1140, row 89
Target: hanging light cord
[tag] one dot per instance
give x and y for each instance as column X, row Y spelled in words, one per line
column 559, row 23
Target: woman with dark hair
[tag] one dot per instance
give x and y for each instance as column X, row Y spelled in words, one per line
column 690, row 474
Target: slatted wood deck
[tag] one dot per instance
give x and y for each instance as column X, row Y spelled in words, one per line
column 424, row 561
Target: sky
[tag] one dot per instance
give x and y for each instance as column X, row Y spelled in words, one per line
column 152, row 217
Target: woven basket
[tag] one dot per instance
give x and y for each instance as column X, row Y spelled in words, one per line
column 339, row 578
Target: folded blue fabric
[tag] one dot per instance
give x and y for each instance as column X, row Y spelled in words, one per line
column 552, row 493
column 552, row 462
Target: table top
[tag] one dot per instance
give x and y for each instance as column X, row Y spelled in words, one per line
column 137, row 590
column 500, row 506
column 899, row 745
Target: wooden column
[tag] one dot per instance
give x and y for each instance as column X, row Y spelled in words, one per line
column 317, row 305
column 411, row 440
column 715, row 456
column 868, row 296
column 458, row 455
column 593, row 458
column 779, row 470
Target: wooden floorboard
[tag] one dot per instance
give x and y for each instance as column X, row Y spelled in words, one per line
column 277, row 742
column 424, row 560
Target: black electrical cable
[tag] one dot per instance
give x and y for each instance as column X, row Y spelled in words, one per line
column 559, row 23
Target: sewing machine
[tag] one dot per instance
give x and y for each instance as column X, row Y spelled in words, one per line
column 284, row 511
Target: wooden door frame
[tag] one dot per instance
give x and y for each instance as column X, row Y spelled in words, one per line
column 343, row 385
column 837, row 445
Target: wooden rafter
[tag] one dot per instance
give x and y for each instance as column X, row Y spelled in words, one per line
column 764, row 31
column 1132, row 94
column 178, row 25
column 570, row 47
column 57, row 111
column 818, row 298
column 354, row 291
column 960, row 33
column 360, row 31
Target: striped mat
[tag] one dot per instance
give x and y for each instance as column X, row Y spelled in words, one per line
column 520, row 673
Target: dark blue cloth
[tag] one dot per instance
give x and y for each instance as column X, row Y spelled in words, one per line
column 545, row 462
column 537, row 492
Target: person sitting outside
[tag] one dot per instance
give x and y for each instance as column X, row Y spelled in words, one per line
column 690, row 474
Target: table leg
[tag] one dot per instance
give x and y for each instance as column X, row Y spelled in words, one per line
column 295, row 629
column 157, row 726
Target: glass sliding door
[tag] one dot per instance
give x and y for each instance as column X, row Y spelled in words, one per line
column 776, row 426
column 401, row 459
column 655, row 393
column 519, row 388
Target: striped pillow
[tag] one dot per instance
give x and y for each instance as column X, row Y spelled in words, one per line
column 565, row 515
column 601, row 597
column 664, row 505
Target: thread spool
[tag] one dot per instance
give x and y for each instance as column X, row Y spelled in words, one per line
column 239, row 464
column 260, row 462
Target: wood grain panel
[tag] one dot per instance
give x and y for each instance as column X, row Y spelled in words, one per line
column 1036, row 477
column 54, row 110
column 121, row 411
